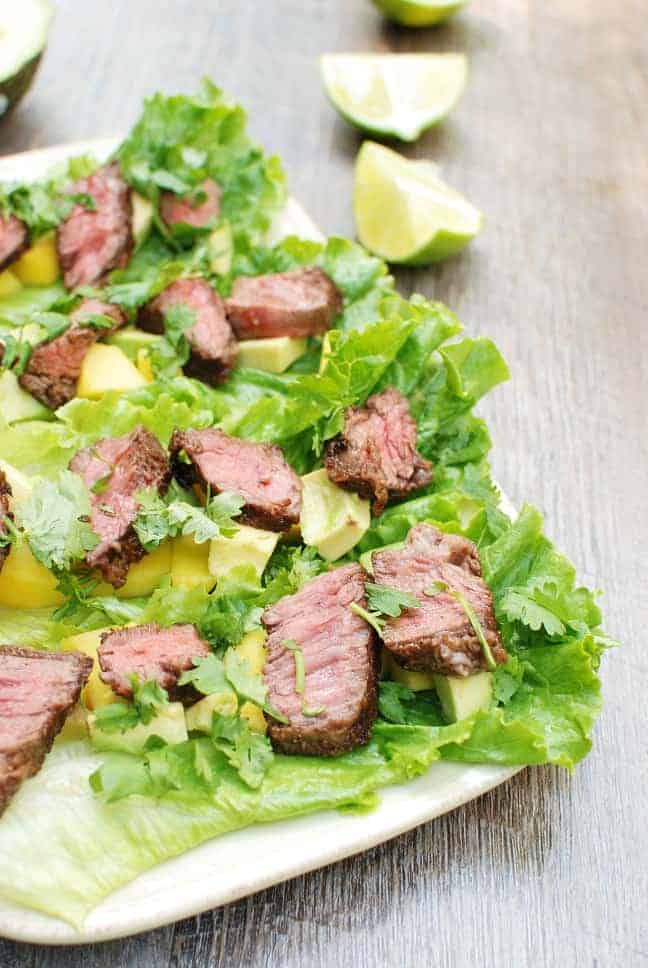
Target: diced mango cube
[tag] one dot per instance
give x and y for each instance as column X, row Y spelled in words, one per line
column 190, row 563
column 107, row 368
column 95, row 693
column 39, row 265
column 25, row 583
column 9, row 283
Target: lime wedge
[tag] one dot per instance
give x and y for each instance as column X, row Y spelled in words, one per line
column 394, row 95
column 419, row 13
column 405, row 213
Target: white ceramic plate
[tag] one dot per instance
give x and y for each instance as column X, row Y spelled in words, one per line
column 240, row 863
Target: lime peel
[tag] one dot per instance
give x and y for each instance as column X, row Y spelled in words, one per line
column 418, row 13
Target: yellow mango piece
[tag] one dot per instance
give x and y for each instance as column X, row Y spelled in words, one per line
column 95, row 693
column 416, row 681
column 25, row 583
column 190, row 563
column 254, row 715
column 39, row 265
column 252, row 648
column 9, row 283
column 144, row 365
column 145, row 575
column 107, row 368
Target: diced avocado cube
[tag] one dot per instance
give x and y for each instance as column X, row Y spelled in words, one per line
column 461, row 696
column 15, row 403
column 332, row 520
column 199, row 717
column 272, row 355
column 248, row 546
column 142, row 220
column 416, row 681
column 131, row 340
column 145, row 575
column 221, row 248
column 169, row 724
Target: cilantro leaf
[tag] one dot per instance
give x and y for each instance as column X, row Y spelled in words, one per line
column 158, row 519
column 178, row 320
column 390, row 701
column 389, row 601
column 118, row 717
column 249, row 752
column 207, row 675
column 55, row 518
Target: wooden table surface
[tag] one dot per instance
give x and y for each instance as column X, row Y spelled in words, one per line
column 551, row 141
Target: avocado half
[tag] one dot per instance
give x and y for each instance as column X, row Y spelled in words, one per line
column 24, row 26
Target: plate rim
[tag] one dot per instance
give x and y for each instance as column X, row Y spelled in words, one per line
column 24, row 924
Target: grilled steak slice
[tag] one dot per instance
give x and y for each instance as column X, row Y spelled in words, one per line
column 338, row 707
column 375, row 455
column 150, row 652
column 5, row 513
column 213, row 346
column 176, row 209
column 53, row 369
column 91, row 242
column 258, row 472
column 438, row 636
column 14, row 239
column 97, row 307
column 124, row 465
column 37, row 691
column 297, row 303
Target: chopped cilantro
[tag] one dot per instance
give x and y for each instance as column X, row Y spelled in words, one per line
column 118, row 717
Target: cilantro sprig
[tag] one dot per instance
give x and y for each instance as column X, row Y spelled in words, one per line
column 213, row 674
column 159, row 518
column 148, row 699
column 56, row 521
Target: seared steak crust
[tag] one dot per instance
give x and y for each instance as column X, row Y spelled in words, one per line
column 14, row 239
column 375, row 455
column 37, row 690
column 53, row 369
column 258, row 472
column 150, row 652
column 339, row 652
column 438, row 636
column 5, row 513
column 213, row 346
column 175, row 209
column 91, row 242
column 125, row 465
column 302, row 302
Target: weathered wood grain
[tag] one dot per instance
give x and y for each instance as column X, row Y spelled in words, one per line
column 551, row 141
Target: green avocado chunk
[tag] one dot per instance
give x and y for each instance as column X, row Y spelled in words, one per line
column 169, row 725
column 272, row 355
column 332, row 520
column 461, row 696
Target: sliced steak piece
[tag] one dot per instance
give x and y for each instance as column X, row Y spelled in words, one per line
column 176, row 209
column 5, row 513
column 258, row 472
column 54, row 367
column 92, row 242
column 213, row 346
column 150, row 652
column 97, row 307
column 438, row 636
column 297, row 303
column 124, row 465
column 337, row 708
column 14, row 239
column 375, row 455
column 53, row 370
column 37, row 691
